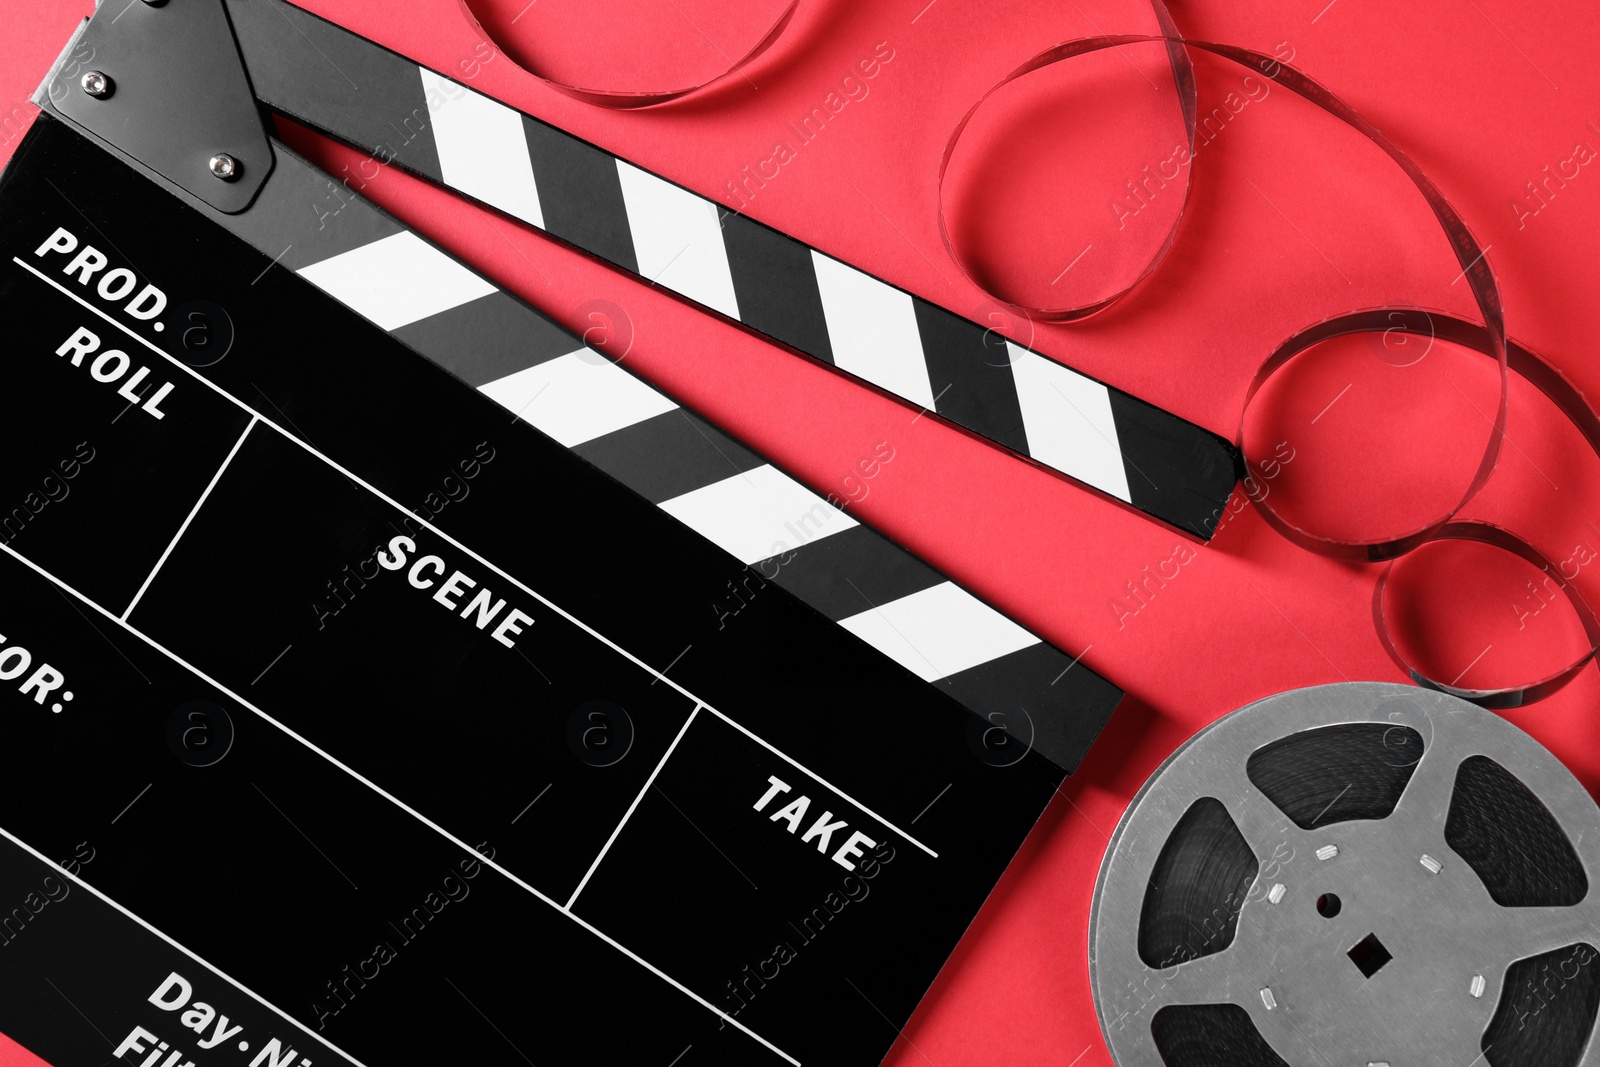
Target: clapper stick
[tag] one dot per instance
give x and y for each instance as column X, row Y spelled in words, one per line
column 732, row 266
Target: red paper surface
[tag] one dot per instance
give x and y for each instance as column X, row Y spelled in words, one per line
column 14, row 1055
column 1290, row 218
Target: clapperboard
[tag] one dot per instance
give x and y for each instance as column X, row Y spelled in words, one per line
column 365, row 639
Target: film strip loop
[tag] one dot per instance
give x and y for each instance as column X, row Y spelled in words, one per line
column 1388, row 320
column 1489, row 339
column 1575, row 406
column 624, row 100
column 1529, row 367
column 1487, row 533
column 1188, row 102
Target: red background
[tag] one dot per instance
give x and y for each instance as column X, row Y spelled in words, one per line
column 1291, row 218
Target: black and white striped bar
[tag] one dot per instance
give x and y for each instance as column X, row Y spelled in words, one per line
column 776, row 286
column 787, row 534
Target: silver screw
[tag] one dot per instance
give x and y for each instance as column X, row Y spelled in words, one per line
column 225, row 166
column 1327, row 852
column 1476, row 989
column 1268, row 999
column 1275, row 894
column 95, row 84
column 1433, row 866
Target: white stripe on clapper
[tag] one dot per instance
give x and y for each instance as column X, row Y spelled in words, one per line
column 758, row 514
column 872, row 329
column 397, row 280
column 1068, row 420
column 577, row 397
column 939, row 631
column 677, row 239
column 482, row 149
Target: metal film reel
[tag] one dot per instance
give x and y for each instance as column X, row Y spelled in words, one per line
column 1355, row 875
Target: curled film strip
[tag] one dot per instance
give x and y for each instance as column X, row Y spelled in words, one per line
column 1361, row 873
column 1489, row 339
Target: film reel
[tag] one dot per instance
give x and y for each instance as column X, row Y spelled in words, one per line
column 1355, row 874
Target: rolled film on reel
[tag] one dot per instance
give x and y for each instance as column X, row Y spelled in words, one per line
column 1362, row 873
